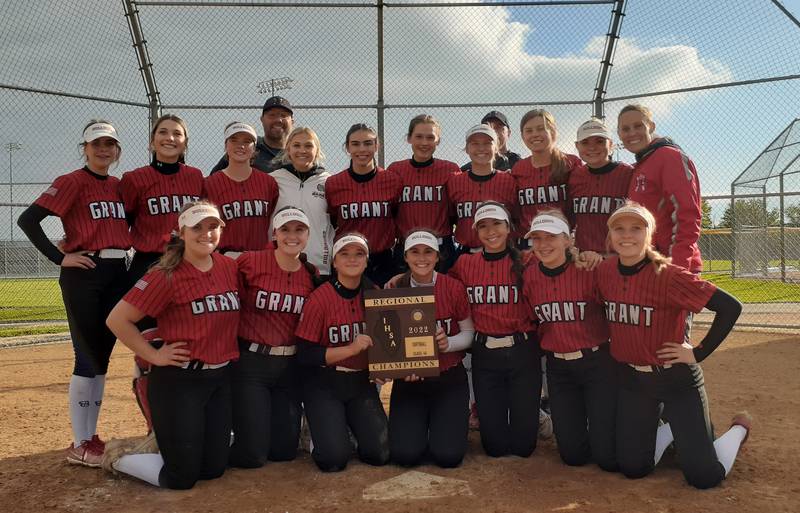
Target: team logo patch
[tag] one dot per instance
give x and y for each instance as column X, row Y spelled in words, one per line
column 141, row 285
column 52, row 191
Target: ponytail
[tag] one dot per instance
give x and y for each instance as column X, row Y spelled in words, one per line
column 517, row 267
column 173, row 254
column 659, row 261
column 316, row 279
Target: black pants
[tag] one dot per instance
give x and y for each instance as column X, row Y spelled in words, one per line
column 191, row 412
column 508, row 384
column 333, row 401
column 140, row 265
column 381, row 267
column 681, row 389
column 583, row 405
column 447, row 255
column 431, row 415
column 266, row 409
column 89, row 295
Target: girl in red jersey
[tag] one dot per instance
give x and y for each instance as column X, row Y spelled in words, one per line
column 431, row 415
column 154, row 194
column 93, row 275
column 193, row 294
column 506, row 369
column 423, row 197
column 337, row 393
column 596, row 188
column 246, row 198
column 665, row 182
column 466, row 191
column 541, row 178
column 646, row 302
column 265, row 381
column 363, row 198
column 572, row 331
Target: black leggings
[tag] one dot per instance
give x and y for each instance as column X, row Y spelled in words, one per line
column 191, row 412
column 430, row 414
column 333, row 401
column 266, row 409
column 508, row 385
column 89, row 295
column 681, row 388
column 583, row 405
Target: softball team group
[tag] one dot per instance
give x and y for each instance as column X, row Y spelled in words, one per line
column 243, row 298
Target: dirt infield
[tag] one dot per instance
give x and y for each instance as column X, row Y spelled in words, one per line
column 754, row 371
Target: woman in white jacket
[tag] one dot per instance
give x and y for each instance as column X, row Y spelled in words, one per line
column 301, row 181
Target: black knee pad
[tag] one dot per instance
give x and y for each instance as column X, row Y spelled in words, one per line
column 636, row 471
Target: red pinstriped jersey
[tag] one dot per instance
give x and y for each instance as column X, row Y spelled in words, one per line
column 451, row 306
column 467, row 194
column 496, row 303
column 592, row 199
column 535, row 192
column 331, row 320
column 91, row 210
column 192, row 306
column 366, row 207
column 246, row 207
column 647, row 309
column 154, row 200
column 566, row 306
column 272, row 299
column 423, row 198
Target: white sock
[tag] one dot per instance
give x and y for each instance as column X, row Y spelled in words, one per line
column 141, row 466
column 727, row 446
column 663, row 439
column 98, row 387
column 80, row 400
column 467, row 361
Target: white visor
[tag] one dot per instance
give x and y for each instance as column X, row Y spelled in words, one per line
column 482, row 129
column 98, row 130
column 635, row 211
column 197, row 213
column 239, row 128
column 593, row 128
column 350, row 239
column 489, row 212
column 290, row 214
column 549, row 224
column 424, row 238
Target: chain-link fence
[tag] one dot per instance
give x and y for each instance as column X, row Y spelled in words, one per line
column 723, row 79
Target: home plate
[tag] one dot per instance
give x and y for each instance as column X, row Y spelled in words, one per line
column 416, row 485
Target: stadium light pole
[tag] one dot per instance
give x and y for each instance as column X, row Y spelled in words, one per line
column 11, row 147
column 271, row 85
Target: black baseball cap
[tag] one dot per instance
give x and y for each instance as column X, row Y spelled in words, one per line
column 499, row 116
column 277, row 102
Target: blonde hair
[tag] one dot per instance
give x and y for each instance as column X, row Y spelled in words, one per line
column 559, row 169
column 179, row 120
column 173, row 253
column 283, row 156
column 658, row 259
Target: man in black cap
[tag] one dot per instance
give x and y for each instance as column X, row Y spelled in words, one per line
column 505, row 159
column 277, row 120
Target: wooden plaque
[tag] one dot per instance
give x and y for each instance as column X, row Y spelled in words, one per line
column 402, row 324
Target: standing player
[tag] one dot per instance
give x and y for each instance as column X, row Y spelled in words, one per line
column 246, row 199
column 154, row 194
column 423, row 198
column 93, row 275
column 596, row 188
column 193, row 294
column 337, row 393
column 363, row 198
column 581, row 375
column 664, row 182
column 504, row 158
column 430, row 415
column 646, row 302
column 541, row 178
column 301, row 183
column 505, row 356
column 467, row 191
column 265, row 381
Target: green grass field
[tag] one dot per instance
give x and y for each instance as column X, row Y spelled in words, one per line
column 725, row 265
column 31, row 300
